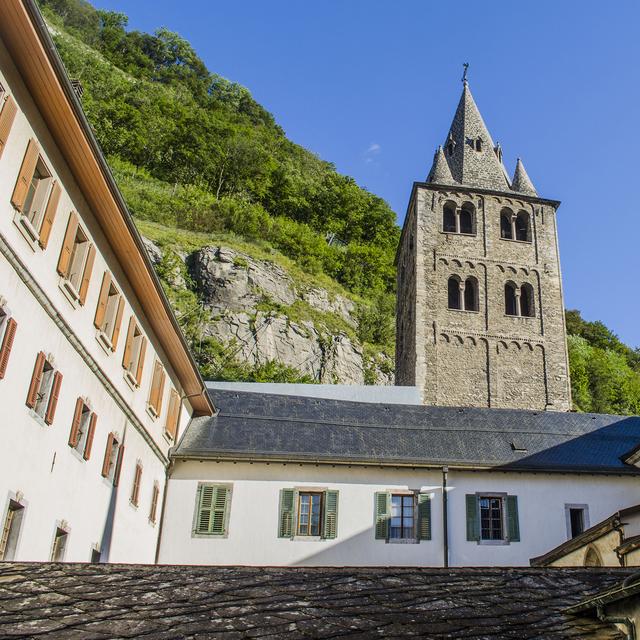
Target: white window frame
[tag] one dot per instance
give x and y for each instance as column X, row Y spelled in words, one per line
column 505, row 524
column 567, row 516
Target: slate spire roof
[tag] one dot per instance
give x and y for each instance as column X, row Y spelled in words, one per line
column 440, row 172
column 521, row 181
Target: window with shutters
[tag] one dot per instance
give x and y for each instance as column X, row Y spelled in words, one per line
column 154, row 404
column 134, row 353
column 8, row 110
column 213, row 503
column 11, row 530
column 83, row 428
column 307, row 513
column 492, row 518
column 403, row 516
column 59, row 545
column 44, row 389
column 112, row 463
column 109, row 312
column 8, row 328
column 153, row 511
column 35, row 198
column 173, row 414
column 135, row 489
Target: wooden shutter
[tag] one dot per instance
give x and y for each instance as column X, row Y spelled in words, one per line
column 25, row 176
column 116, row 475
column 140, row 367
column 157, row 387
column 74, row 436
column 53, row 398
column 205, row 507
column 285, row 521
column 106, row 463
column 473, row 524
column 49, row 215
column 86, row 274
column 424, row 517
column 67, row 245
column 90, row 433
column 383, row 513
column 103, row 298
column 330, row 524
column 154, row 503
column 7, row 345
column 128, row 346
column 7, row 116
column 173, row 414
column 36, row 379
column 513, row 524
column 135, row 491
column 116, row 327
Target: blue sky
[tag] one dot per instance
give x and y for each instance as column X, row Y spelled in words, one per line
column 372, row 85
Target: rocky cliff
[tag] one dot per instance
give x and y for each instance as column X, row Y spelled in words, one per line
column 258, row 313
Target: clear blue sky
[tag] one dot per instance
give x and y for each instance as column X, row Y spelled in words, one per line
column 372, row 85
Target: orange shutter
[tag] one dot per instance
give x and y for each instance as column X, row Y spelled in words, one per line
column 92, row 429
column 7, row 344
column 143, row 350
column 107, row 455
column 118, row 322
column 157, row 384
column 75, row 424
column 116, row 475
column 26, row 174
column 173, row 414
column 67, row 245
column 136, row 485
column 128, row 347
column 86, row 275
column 7, row 116
column 53, row 398
column 36, row 379
column 154, row 503
column 163, row 377
column 103, row 298
column 49, row 215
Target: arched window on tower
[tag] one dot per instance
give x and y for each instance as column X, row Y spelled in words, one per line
column 510, row 303
column 471, row 294
column 526, row 300
column 453, row 287
column 449, row 218
column 523, row 229
column 478, row 143
column 505, row 224
column 467, row 215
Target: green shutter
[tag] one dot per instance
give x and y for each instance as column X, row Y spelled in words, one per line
column 285, row 522
column 212, row 510
column 383, row 509
column 473, row 526
column 513, row 523
column 424, row 516
column 330, row 525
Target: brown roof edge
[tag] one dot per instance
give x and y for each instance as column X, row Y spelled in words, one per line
column 591, row 534
column 25, row 33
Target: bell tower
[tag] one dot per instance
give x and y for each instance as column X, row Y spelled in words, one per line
column 480, row 314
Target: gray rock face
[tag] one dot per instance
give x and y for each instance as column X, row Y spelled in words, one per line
column 232, row 285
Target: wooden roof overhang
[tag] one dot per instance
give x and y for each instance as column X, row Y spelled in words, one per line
column 25, row 34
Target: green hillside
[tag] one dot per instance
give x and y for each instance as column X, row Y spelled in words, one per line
column 195, row 153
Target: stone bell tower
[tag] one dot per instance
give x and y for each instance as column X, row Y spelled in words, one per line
column 480, row 315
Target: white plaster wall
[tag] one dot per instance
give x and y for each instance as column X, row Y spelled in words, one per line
column 253, row 518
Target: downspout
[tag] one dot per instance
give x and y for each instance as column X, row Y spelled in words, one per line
column 445, row 518
column 164, row 503
column 627, row 622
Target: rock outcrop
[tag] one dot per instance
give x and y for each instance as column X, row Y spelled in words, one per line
column 256, row 310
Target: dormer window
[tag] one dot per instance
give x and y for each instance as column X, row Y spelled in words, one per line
column 450, row 145
column 478, row 144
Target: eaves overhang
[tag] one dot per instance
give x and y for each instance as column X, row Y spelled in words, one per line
column 27, row 38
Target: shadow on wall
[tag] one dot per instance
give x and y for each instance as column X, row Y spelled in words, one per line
column 603, row 447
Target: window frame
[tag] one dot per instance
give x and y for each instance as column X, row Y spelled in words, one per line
column 585, row 516
column 64, row 535
column 196, row 530
column 109, row 312
column 11, row 531
column 502, row 496
column 75, row 289
column 112, row 461
column 159, row 379
column 414, row 505
column 299, row 512
column 136, row 350
column 44, row 408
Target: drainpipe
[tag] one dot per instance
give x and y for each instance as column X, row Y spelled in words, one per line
column 164, row 504
column 626, row 622
column 445, row 518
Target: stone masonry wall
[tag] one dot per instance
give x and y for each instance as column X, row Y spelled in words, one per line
column 484, row 357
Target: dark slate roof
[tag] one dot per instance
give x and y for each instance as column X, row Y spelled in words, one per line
column 274, row 427
column 93, row 601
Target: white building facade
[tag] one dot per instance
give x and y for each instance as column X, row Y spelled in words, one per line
column 96, row 382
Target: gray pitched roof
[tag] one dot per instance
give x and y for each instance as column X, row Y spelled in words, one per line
column 261, row 426
column 521, row 180
column 440, row 172
column 97, row 601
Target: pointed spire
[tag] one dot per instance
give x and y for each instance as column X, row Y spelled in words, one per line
column 469, row 149
column 521, row 181
column 440, row 172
